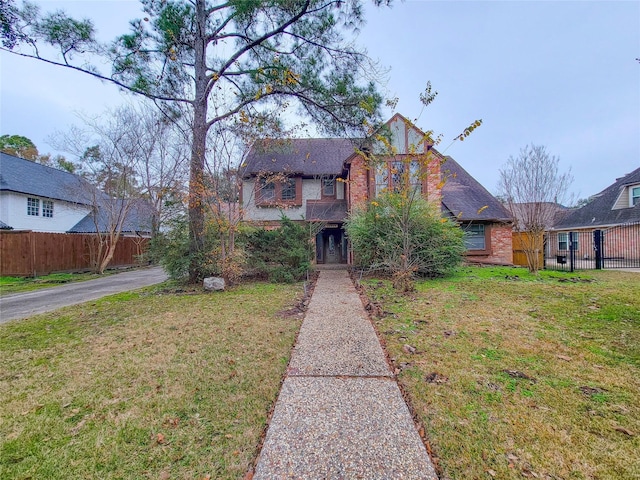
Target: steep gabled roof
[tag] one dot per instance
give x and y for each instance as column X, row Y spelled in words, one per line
column 600, row 211
column 31, row 178
column 302, row 156
column 467, row 200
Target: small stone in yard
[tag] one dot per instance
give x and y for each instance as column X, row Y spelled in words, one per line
column 564, row 357
column 213, row 284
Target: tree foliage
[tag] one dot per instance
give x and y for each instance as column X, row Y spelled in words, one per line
column 533, row 188
column 404, row 236
column 219, row 61
column 19, row 146
column 283, row 254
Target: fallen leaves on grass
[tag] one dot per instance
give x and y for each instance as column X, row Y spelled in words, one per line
column 519, row 374
column 435, row 377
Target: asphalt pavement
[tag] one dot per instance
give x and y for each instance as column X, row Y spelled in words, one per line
column 23, row 305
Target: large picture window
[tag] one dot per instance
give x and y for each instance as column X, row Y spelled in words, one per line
column 394, row 175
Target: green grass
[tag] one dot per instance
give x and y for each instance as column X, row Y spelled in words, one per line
column 144, row 385
column 538, row 376
column 10, row 285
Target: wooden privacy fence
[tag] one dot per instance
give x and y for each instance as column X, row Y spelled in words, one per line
column 520, row 240
column 26, row 253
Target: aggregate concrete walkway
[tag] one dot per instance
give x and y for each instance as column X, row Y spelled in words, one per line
column 340, row 413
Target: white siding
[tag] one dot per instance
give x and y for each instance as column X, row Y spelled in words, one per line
column 310, row 191
column 13, row 212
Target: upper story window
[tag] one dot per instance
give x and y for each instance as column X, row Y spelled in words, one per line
column 288, row 189
column 33, row 206
column 392, row 176
column 47, row 208
column 634, row 197
column 328, row 187
column 273, row 192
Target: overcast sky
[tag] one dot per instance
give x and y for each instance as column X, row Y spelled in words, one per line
column 562, row 74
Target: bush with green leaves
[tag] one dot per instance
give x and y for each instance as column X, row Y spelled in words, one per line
column 171, row 250
column 404, row 235
column 283, row 254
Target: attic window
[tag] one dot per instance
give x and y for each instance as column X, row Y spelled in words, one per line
column 634, row 197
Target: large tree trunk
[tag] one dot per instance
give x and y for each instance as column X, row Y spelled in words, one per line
column 198, row 148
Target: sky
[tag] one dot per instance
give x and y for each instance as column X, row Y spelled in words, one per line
column 562, row 74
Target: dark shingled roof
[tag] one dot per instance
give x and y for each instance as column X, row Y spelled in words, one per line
column 4, row 226
column 335, row 211
column 305, row 156
column 138, row 220
column 464, row 198
column 31, row 178
column 599, row 211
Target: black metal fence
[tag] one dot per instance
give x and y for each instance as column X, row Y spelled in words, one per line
column 615, row 247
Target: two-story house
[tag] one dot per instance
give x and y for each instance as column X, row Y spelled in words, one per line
column 322, row 180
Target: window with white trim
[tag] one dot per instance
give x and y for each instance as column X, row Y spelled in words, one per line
column 47, row 208
column 634, row 196
column 33, row 206
column 563, row 241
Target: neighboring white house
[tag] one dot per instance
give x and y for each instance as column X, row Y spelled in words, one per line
column 44, row 199
column 39, row 198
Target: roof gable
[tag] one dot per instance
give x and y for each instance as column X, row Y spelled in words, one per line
column 402, row 137
column 607, row 207
column 466, row 199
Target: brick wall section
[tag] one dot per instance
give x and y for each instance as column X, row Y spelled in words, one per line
column 358, row 183
column 501, row 247
column 433, row 179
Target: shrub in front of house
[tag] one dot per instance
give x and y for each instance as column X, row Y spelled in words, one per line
column 281, row 255
column 405, row 236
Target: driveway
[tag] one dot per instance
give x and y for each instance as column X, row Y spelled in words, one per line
column 22, row 305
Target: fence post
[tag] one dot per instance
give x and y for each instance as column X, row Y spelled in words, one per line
column 597, row 246
column 572, row 250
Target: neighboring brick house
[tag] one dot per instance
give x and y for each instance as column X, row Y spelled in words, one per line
column 321, row 180
column 615, row 211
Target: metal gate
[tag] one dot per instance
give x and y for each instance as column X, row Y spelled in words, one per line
column 615, row 247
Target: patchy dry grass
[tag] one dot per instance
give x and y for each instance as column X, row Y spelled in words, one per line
column 10, row 285
column 515, row 376
column 153, row 385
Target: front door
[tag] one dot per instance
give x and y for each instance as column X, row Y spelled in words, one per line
column 332, row 247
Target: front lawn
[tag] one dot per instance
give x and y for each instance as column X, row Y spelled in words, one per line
column 515, row 376
column 152, row 385
column 10, row 285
